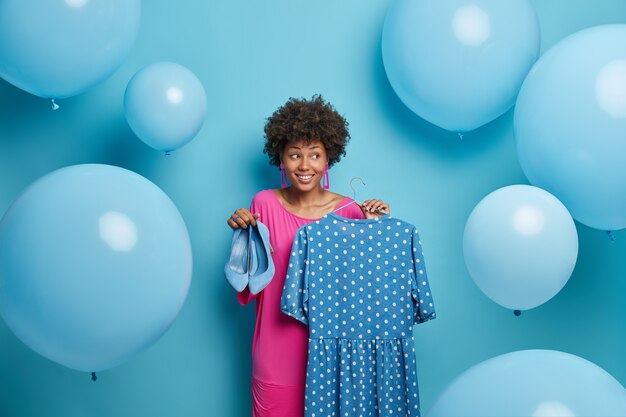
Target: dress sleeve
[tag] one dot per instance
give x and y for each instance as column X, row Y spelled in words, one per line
column 295, row 298
column 245, row 296
column 423, row 308
column 353, row 211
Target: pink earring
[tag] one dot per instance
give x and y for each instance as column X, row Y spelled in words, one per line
column 325, row 180
column 283, row 176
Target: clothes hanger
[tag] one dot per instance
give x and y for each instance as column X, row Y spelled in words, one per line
column 354, row 197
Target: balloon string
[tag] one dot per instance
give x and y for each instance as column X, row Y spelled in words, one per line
column 611, row 235
column 54, row 105
column 94, row 377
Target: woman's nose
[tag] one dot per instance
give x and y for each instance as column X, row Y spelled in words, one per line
column 304, row 163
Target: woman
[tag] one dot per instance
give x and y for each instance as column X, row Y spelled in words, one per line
column 304, row 138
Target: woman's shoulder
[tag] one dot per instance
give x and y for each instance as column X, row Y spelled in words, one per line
column 338, row 198
column 263, row 195
column 264, row 198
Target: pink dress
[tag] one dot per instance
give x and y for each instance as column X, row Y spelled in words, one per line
column 279, row 346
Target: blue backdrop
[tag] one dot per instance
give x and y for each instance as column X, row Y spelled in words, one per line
column 251, row 56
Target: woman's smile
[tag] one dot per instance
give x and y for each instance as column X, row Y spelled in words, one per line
column 304, row 178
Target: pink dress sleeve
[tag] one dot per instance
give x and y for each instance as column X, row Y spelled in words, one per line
column 353, row 211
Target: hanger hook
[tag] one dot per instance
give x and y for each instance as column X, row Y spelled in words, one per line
column 353, row 190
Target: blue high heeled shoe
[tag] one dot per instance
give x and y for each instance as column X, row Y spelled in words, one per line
column 261, row 264
column 236, row 269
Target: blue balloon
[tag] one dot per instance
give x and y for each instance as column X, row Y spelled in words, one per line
column 458, row 63
column 533, row 383
column 57, row 49
column 95, row 264
column 570, row 124
column 520, row 246
column 165, row 105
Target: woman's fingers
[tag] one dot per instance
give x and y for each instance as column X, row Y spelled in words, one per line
column 242, row 218
column 375, row 206
column 232, row 222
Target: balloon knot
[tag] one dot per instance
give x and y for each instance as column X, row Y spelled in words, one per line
column 517, row 313
column 54, row 105
column 94, row 377
column 610, row 235
column 460, row 135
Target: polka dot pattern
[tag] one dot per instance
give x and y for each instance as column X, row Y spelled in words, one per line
column 360, row 285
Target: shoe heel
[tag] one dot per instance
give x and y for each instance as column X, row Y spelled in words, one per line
column 252, row 260
column 236, row 269
column 262, row 271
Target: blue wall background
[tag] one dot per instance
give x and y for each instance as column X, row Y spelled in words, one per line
column 251, row 56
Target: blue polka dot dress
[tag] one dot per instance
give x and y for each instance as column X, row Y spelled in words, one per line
column 360, row 286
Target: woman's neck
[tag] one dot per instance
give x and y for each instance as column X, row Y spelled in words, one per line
column 304, row 199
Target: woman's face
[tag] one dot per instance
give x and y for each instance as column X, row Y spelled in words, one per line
column 304, row 164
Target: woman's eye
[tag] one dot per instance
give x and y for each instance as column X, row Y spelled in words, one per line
column 294, row 156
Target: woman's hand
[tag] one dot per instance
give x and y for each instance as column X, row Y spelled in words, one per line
column 372, row 209
column 242, row 218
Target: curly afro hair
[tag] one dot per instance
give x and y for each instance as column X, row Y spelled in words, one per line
column 309, row 120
